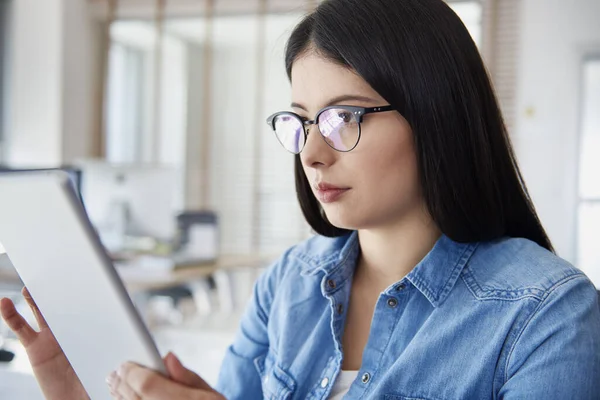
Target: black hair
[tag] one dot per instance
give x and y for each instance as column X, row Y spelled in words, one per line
column 418, row 55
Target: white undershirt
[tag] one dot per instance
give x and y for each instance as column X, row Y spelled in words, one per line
column 342, row 384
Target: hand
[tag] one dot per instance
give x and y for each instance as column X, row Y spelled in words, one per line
column 54, row 373
column 133, row 382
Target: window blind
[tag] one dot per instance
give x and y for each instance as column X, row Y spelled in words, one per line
column 500, row 48
column 252, row 187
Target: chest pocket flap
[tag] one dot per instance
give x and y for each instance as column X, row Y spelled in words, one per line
column 276, row 383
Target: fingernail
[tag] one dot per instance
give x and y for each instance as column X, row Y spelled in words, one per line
column 110, row 379
column 176, row 361
column 121, row 370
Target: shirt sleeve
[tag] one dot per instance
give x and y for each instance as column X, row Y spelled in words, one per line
column 239, row 377
column 557, row 353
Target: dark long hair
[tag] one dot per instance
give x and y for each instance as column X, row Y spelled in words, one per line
column 418, row 55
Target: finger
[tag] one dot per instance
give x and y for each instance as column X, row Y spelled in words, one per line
column 182, row 375
column 143, row 381
column 150, row 385
column 16, row 322
column 119, row 389
column 34, row 308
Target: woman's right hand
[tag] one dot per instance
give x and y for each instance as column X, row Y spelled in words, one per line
column 54, row 373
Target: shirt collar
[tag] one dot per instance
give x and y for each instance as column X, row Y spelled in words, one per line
column 434, row 276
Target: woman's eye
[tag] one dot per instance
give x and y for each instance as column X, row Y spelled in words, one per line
column 345, row 116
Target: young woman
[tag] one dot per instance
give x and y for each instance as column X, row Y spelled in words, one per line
column 431, row 277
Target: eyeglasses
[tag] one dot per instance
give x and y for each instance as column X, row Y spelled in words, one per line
column 339, row 126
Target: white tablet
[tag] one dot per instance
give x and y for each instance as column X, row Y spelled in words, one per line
column 54, row 248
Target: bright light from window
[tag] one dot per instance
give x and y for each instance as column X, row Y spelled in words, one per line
column 589, row 167
column 470, row 14
column 588, row 251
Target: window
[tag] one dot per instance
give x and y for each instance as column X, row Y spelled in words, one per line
column 251, row 184
column 470, row 12
column 140, row 127
column 124, row 98
column 588, row 232
column 257, row 205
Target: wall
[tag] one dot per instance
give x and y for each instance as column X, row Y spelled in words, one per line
column 5, row 19
column 35, row 129
column 555, row 35
column 54, row 82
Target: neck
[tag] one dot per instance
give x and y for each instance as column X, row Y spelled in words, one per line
column 389, row 253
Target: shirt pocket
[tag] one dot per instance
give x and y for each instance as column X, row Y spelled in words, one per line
column 276, row 383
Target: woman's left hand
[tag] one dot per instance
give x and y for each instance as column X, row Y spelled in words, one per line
column 133, row 382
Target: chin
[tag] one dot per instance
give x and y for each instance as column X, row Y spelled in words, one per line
column 355, row 219
column 342, row 221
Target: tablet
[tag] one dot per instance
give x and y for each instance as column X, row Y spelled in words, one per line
column 54, row 248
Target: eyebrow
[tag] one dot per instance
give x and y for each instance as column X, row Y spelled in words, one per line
column 339, row 99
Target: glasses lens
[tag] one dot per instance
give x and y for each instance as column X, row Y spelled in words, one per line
column 290, row 132
column 339, row 127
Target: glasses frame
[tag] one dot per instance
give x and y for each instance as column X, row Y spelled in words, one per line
column 358, row 112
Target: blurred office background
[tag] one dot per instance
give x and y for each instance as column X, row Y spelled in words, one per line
column 156, row 108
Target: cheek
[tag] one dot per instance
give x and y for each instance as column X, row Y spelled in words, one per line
column 310, row 174
column 392, row 171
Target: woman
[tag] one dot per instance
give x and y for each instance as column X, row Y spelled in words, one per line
column 431, row 276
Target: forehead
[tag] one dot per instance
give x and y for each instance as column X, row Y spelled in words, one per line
column 315, row 80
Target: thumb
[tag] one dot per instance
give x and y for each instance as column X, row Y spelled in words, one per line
column 182, row 375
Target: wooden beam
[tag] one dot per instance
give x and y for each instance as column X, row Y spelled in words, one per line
column 206, row 124
column 259, row 121
column 99, row 140
column 158, row 79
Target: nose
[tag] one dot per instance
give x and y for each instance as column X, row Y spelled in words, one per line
column 316, row 153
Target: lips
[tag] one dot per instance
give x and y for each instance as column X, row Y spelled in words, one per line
column 328, row 193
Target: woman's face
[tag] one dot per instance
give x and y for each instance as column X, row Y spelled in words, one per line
column 378, row 178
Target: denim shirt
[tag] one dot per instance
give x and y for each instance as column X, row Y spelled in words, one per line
column 492, row 320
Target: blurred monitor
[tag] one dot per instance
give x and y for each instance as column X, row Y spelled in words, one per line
column 134, row 200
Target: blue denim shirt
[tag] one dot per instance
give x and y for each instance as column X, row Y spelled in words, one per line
column 493, row 320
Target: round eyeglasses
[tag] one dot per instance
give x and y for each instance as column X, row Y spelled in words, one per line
column 339, row 126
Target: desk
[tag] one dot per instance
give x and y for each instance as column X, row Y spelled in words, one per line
column 139, row 279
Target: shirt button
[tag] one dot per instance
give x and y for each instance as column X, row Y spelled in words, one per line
column 324, row 382
column 392, row 302
column 340, row 308
column 366, row 377
column 400, row 287
column 331, row 283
